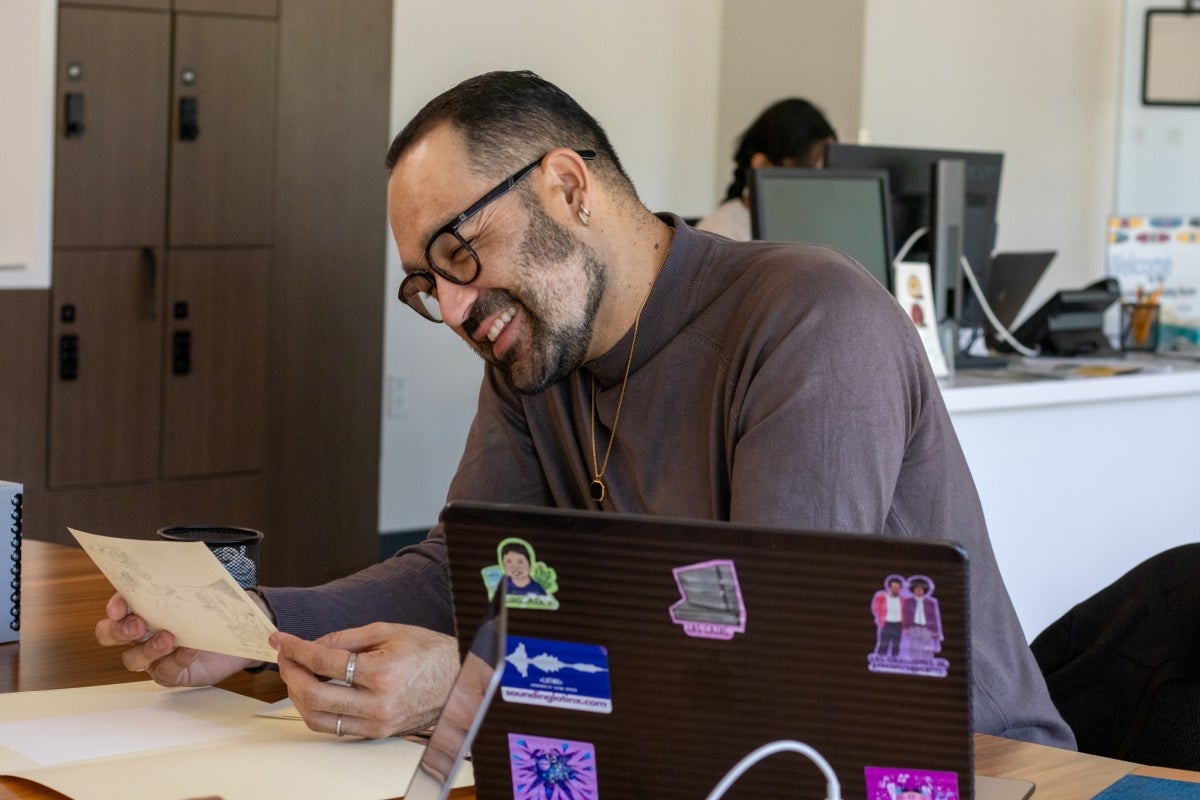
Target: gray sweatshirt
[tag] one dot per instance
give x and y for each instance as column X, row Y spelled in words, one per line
column 773, row 384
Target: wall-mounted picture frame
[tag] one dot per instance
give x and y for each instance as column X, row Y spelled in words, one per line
column 1171, row 57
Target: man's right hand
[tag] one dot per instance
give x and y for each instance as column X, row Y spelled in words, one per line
column 157, row 655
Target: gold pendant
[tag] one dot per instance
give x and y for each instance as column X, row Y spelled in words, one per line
column 598, row 491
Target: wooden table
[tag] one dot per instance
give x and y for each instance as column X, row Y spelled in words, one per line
column 63, row 596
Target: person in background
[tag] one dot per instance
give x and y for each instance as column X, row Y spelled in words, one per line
column 790, row 133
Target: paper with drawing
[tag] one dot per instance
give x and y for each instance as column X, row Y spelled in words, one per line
column 182, row 588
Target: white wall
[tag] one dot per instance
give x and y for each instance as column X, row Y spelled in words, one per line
column 1158, row 164
column 646, row 69
column 1037, row 80
column 772, row 49
column 27, row 37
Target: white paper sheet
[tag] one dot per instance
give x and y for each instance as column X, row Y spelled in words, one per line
column 75, row 737
column 272, row 757
column 182, row 587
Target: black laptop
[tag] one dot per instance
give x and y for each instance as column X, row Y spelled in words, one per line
column 646, row 657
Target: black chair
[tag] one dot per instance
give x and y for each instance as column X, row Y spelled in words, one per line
column 1123, row 666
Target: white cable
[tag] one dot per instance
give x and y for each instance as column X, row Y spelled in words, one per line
column 1001, row 331
column 833, row 788
column 904, row 248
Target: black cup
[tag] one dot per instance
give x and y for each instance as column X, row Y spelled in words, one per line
column 236, row 548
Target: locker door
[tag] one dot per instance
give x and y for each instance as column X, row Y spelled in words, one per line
column 214, row 405
column 110, row 142
column 222, row 130
column 105, row 384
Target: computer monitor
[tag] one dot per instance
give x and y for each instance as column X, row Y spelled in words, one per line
column 843, row 209
column 911, row 178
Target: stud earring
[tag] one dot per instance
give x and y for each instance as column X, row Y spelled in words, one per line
column 584, row 215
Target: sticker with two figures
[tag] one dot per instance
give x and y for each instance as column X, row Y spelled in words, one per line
column 552, row 769
column 530, row 583
column 888, row 783
column 908, row 628
column 712, row 606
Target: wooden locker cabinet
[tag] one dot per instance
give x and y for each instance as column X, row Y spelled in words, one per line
column 163, row 217
column 105, row 386
column 113, row 88
column 224, row 72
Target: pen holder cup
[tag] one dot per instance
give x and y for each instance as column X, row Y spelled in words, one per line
column 1139, row 327
column 236, row 548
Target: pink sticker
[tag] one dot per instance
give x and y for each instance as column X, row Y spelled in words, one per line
column 712, row 606
column 908, row 628
column 552, row 769
column 890, row 783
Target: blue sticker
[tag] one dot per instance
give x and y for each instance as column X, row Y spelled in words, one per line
column 571, row 675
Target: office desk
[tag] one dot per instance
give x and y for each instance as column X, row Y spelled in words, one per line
column 63, row 596
column 1103, row 466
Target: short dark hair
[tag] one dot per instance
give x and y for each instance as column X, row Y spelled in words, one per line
column 510, row 118
column 516, row 547
column 787, row 129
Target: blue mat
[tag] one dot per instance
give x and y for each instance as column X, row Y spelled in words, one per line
column 1135, row 787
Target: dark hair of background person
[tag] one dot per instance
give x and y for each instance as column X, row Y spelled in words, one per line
column 786, row 130
column 509, row 118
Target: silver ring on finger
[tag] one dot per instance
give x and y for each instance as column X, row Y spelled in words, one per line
column 350, row 669
column 338, row 729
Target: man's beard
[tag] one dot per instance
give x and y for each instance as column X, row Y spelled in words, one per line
column 559, row 286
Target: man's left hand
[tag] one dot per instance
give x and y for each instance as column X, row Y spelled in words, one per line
column 401, row 677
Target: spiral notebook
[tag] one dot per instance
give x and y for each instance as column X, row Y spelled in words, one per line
column 645, row 657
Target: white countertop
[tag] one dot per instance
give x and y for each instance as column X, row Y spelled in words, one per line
column 993, row 390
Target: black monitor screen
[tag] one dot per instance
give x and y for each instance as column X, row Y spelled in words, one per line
column 910, row 174
column 846, row 210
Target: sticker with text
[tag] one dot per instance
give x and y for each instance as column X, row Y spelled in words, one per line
column 908, row 628
column 889, row 783
column 530, row 583
column 541, row 672
column 552, row 769
column 712, row 606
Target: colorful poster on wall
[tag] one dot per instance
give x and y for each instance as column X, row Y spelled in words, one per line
column 1159, row 257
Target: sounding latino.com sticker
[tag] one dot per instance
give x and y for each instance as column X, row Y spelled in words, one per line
column 570, row 675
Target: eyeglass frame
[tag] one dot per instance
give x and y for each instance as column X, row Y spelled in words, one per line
column 452, row 227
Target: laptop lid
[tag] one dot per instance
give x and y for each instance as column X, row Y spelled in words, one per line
column 465, row 708
column 647, row 656
column 1012, row 279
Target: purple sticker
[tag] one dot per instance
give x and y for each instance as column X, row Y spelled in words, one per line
column 908, row 628
column 552, row 769
column 891, row 783
column 712, row 606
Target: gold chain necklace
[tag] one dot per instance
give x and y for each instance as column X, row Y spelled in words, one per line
column 598, row 489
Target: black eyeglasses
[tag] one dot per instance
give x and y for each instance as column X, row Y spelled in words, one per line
column 450, row 256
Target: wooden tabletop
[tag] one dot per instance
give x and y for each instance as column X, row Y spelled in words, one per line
column 63, row 596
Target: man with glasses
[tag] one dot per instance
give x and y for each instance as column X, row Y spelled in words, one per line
column 633, row 365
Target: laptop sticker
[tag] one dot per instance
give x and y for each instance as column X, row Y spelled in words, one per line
column 552, row 769
column 530, row 583
column 712, row 606
column 570, row 675
column 908, row 628
column 889, row 783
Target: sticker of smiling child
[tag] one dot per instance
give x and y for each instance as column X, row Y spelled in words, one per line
column 530, row 583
